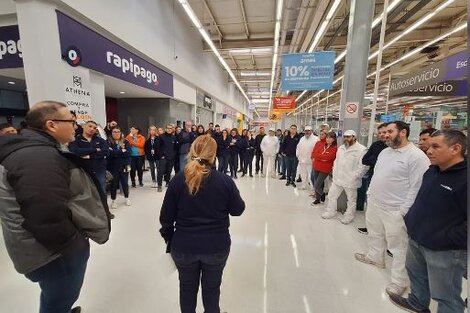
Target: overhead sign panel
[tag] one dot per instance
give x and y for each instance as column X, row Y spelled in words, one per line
column 80, row 46
column 308, row 71
column 284, row 104
column 453, row 67
column 11, row 55
column 450, row 88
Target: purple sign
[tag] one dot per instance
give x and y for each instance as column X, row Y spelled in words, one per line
column 80, row 46
column 456, row 66
column 11, row 55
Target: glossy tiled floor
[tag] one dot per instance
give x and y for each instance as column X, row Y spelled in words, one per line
column 284, row 259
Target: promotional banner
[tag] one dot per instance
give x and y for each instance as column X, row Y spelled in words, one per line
column 77, row 94
column 80, row 46
column 284, row 104
column 275, row 115
column 308, row 71
column 450, row 68
column 11, row 55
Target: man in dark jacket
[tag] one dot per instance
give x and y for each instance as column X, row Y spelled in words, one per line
column 93, row 149
column 185, row 139
column 166, row 152
column 369, row 159
column 259, row 160
column 288, row 150
column 437, row 226
column 49, row 205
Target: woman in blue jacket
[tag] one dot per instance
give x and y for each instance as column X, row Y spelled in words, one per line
column 195, row 225
column 119, row 165
column 223, row 151
column 236, row 144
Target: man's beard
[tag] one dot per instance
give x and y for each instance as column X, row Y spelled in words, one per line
column 394, row 143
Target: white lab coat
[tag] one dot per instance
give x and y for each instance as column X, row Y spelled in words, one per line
column 269, row 145
column 348, row 168
column 305, row 148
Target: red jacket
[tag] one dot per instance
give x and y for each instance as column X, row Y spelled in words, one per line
column 323, row 157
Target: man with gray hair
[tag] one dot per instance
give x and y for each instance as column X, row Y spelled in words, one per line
column 50, row 204
column 184, row 141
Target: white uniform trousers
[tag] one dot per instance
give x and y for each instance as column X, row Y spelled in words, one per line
column 333, row 195
column 305, row 171
column 269, row 165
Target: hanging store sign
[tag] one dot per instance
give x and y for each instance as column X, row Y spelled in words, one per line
column 453, row 67
column 11, row 54
column 456, row 88
column 77, row 94
column 207, row 103
column 275, row 115
column 80, row 46
column 284, row 104
column 308, row 71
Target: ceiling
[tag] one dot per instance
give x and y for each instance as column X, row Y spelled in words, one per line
column 244, row 30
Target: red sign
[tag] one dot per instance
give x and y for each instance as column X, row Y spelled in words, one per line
column 284, row 104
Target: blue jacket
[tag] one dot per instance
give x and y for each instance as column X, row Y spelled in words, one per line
column 370, row 158
column 166, row 146
column 185, row 140
column 199, row 223
column 119, row 159
column 289, row 145
column 223, row 146
column 85, row 148
column 438, row 218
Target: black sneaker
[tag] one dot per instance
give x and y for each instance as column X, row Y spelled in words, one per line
column 141, row 184
column 389, row 253
column 293, row 184
column 159, row 189
column 235, row 177
column 111, row 216
column 299, row 180
column 363, row 230
column 282, row 177
column 323, row 197
column 251, row 175
column 76, row 309
column 288, row 183
column 403, row 304
column 316, row 202
column 133, row 185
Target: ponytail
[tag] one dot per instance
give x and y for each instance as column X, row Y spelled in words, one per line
column 200, row 160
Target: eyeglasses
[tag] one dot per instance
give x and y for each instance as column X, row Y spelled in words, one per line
column 116, row 131
column 66, row 121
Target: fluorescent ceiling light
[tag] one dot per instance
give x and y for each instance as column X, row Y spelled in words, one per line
column 247, row 73
column 254, row 81
column 254, row 51
column 390, row 8
column 122, row 92
column 260, row 100
column 324, row 25
column 12, row 83
column 259, row 93
column 277, row 35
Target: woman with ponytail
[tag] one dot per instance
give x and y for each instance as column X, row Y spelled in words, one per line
column 195, row 225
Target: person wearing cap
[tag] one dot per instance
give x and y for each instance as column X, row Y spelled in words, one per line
column 269, row 146
column 304, row 152
column 347, row 175
column 397, row 179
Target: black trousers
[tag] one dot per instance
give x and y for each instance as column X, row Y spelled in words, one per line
column 242, row 161
column 223, row 163
column 137, row 164
column 248, row 162
column 164, row 170
column 233, row 164
column 153, row 167
column 206, row 269
column 121, row 177
column 259, row 162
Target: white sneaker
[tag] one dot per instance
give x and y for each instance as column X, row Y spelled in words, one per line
column 327, row 215
column 347, row 218
column 394, row 289
column 154, row 185
column 361, row 257
column 113, row 205
column 128, row 202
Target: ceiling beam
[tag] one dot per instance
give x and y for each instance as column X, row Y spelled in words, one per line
column 221, row 36
column 247, row 30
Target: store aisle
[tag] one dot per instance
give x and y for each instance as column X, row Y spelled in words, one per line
column 284, row 259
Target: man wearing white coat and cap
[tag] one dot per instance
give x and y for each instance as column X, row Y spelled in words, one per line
column 304, row 154
column 270, row 148
column 347, row 175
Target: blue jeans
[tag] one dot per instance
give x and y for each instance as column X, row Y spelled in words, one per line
column 437, row 275
column 291, row 167
column 153, row 166
column 204, row 268
column 61, row 281
column 183, row 160
column 223, row 163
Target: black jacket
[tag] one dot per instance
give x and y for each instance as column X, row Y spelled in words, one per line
column 95, row 159
column 258, row 140
column 185, row 140
column 370, row 158
column 237, row 146
column 437, row 219
column 223, row 146
column 149, row 147
column 250, row 146
column 166, row 146
column 199, row 223
column 119, row 159
column 289, row 145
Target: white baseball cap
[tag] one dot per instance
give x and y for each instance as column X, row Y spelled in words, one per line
column 272, row 130
column 350, row 132
column 308, row 128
